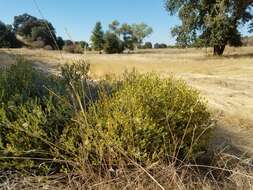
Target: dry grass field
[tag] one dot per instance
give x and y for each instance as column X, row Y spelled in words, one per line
column 227, row 82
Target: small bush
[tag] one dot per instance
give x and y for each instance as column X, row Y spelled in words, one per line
column 146, row 118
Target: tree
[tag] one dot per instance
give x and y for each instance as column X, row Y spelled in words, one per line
column 112, row 43
column 182, row 39
column 160, row 46
column 211, row 23
column 114, row 27
column 84, row 44
column 127, row 35
column 68, row 42
column 7, row 37
column 60, row 42
column 35, row 29
column 23, row 24
column 148, row 45
column 140, row 32
column 97, row 37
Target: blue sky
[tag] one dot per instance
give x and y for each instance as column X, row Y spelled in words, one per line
column 78, row 17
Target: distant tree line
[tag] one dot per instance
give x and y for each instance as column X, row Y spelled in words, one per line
column 119, row 37
column 33, row 32
column 204, row 23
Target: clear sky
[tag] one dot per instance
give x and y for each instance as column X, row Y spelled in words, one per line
column 76, row 18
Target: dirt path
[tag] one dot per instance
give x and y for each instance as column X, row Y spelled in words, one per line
column 226, row 82
column 232, row 99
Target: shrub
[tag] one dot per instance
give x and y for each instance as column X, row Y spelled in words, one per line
column 112, row 43
column 70, row 120
column 157, row 46
column 34, row 110
column 146, row 118
column 7, row 36
column 19, row 82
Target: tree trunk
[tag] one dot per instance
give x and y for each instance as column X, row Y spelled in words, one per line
column 218, row 50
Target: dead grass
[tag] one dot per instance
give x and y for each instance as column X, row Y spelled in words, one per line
column 225, row 172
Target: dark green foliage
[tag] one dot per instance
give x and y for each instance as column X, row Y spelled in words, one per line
column 31, row 118
column 210, row 23
column 128, row 37
column 60, row 42
column 147, row 45
column 97, row 37
column 84, row 44
column 7, row 37
column 68, row 42
column 160, row 46
column 34, row 111
column 35, row 29
column 112, row 43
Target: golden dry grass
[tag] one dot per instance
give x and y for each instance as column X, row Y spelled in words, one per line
column 226, row 81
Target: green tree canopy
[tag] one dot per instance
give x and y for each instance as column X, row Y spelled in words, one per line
column 97, row 37
column 147, row 45
column 112, row 43
column 127, row 35
column 211, row 23
column 114, row 27
column 35, row 29
column 7, row 36
column 141, row 31
column 60, row 42
column 84, row 44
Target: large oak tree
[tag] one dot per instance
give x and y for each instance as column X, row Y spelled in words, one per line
column 212, row 23
column 35, row 29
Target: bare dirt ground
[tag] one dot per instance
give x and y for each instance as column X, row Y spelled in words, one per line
column 227, row 82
